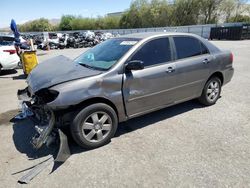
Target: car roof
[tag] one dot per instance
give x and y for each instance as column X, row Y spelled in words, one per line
column 154, row 34
column 147, row 35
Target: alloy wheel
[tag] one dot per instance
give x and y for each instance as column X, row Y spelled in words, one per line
column 96, row 126
column 213, row 91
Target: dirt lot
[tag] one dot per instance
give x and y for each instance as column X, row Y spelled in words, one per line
column 186, row 145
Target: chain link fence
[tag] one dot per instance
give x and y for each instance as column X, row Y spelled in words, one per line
column 201, row 30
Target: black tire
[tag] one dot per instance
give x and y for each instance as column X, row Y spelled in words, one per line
column 19, row 65
column 76, row 46
column 78, row 131
column 204, row 98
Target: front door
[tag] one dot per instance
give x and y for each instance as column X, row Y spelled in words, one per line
column 153, row 87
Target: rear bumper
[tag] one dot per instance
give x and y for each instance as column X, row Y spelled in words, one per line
column 10, row 63
column 228, row 74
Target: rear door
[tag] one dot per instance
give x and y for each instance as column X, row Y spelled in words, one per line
column 192, row 67
column 150, row 88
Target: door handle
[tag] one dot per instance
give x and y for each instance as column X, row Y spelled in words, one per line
column 205, row 61
column 170, row 69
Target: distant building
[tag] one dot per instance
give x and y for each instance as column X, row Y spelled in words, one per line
column 115, row 14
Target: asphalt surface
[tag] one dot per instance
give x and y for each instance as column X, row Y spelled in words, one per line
column 187, row 145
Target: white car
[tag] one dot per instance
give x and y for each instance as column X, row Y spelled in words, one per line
column 8, row 55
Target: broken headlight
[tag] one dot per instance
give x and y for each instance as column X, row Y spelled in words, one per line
column 47, row 95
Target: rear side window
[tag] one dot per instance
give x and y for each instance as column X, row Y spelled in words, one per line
column 6, row 41
column 188, row 47
column 154, row 52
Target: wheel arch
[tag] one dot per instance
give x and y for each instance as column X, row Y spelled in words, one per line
column 219, row 75
column 95, row 100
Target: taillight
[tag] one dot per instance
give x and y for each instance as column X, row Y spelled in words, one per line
column 10, row 51
column 232, row 57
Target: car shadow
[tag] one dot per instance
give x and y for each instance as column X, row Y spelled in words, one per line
column 7, row 72
column 157, row 116
column 23, row 131
column 148, row 119
column 20, row 77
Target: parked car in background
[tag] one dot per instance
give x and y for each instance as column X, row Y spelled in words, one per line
column 68, row 40
column 123, row 78
column 8, row 55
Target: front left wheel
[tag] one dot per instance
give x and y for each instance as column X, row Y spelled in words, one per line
column 94, row 126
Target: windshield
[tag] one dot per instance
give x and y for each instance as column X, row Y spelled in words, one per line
column 106, row 54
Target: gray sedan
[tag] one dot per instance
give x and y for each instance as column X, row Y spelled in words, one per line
column 123, row 78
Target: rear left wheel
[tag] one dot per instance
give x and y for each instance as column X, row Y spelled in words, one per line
column 211, row 91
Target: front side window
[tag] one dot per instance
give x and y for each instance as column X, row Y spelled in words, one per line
column 154, row 52
column 106, row 54
column 188, row 47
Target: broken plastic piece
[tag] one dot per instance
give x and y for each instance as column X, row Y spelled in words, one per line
column 62, row 156
column 43, row 132
column 35, row 171
column 64, row 152
column 25, row 112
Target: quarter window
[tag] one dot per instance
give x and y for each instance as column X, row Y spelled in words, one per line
column 154, row 52
column 188, row 47
column 204, row 49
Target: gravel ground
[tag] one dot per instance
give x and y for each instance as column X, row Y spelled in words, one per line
column 182, row 146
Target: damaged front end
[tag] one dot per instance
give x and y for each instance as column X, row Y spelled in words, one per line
column 34, row 106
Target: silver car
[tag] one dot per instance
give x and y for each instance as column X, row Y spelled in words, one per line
column 120, row 79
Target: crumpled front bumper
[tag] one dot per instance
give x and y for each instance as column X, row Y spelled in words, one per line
column 30, row 109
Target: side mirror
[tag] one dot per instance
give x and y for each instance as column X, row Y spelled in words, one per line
column 135, row 65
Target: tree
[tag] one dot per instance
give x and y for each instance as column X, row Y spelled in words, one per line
column 152, row 13
column 240, row 18
column 80, row 23
column 41, row 24
column 143, row 13
column 132, row 18
column 65, row 23
column 186, row 12
column 227, row 8
column 166, row 12
column 159, row 13
column 209, row 11
column 110, row 22
column 239, row 8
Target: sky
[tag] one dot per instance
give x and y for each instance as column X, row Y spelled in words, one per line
column 26, row 10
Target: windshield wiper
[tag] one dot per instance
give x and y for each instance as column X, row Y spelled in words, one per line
column 90, row 67
column 86, row 65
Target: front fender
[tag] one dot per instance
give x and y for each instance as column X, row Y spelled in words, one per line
column 75, row 92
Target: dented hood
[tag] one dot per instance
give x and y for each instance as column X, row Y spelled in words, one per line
column 55, row 71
